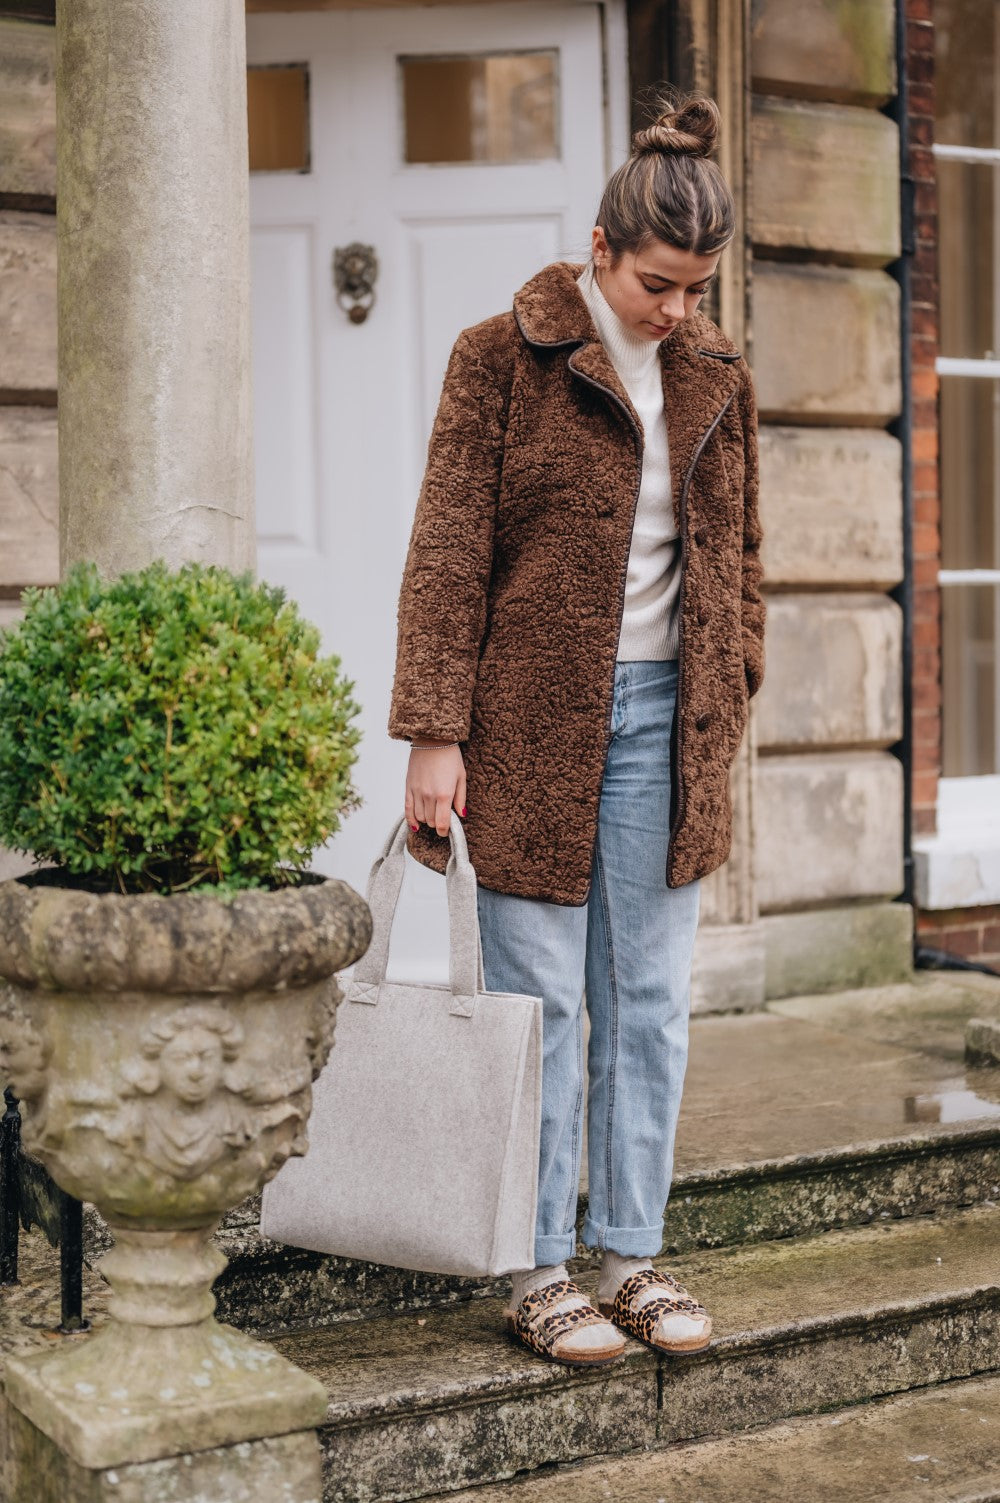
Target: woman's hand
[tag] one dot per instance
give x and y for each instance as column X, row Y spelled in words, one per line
column 435, row 784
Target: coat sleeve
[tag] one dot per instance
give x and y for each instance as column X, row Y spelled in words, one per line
column 752, row 604
column 442, row 601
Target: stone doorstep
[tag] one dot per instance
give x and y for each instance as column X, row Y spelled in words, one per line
column 942, row 1444
column 421, row 1404
column 852, row 1082
column 803, row 1325
column 269, row 1288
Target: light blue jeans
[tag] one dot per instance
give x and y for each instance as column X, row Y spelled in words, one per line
column 630, row 945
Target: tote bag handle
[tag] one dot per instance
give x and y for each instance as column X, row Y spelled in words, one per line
column 465, row 964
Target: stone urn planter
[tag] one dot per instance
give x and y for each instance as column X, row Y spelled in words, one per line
column 164, row 1049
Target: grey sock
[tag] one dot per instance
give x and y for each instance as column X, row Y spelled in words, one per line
column 614, row 1271
column 586, row 1338
column 527, row 1279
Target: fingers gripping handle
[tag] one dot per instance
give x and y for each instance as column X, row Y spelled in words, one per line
column 465, row 950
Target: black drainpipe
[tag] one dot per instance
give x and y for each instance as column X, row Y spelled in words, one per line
column 902, row 428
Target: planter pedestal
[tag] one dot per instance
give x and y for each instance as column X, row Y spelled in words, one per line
column 138, row 1391
column 164, row 1050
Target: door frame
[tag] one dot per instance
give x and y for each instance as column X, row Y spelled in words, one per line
column 615, row 46
column 695, row 44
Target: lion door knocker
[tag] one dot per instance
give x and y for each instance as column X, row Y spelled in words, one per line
column 355, row 268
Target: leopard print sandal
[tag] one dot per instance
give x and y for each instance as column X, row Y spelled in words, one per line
column 644, row 1322
column 542, row 1332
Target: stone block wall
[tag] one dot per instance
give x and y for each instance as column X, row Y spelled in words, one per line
column 29, row 504
column 826, row 348
column 29, row 469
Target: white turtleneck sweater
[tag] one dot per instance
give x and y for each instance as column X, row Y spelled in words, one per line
column 652, row 586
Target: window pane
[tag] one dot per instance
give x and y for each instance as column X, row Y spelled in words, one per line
column 970, row 473
column 498, row 108
column 968, row 201
column 967, row 109
column 278, row 111
column 965, row 63
column 970, row 624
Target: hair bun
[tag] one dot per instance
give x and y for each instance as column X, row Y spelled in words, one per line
column 691, row 128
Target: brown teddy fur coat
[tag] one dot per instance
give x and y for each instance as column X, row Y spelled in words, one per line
column 514, row 585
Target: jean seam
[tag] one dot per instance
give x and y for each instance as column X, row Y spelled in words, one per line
column 612, row 1036
column 574, row 1192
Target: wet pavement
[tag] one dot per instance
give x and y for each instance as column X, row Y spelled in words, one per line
column 828, row 1072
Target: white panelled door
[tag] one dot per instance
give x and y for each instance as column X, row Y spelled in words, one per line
column 343, row 409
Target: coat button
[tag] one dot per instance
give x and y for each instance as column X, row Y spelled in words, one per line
column 701, row 537
column 704, row 615
column 703, row 722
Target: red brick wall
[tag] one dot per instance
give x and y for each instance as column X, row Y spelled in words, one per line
column 924, row 349
column 973, row 933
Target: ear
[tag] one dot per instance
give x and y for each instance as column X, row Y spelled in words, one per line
column 599, row 246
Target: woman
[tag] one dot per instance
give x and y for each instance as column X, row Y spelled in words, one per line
column 580, row 629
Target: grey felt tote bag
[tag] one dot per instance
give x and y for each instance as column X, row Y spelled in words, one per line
column 423, row 1139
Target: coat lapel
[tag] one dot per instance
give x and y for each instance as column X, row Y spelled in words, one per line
column 697, row 388
column 699, row 364
column 592, row 363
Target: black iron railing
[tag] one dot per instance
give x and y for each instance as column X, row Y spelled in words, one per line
column 30, row 1197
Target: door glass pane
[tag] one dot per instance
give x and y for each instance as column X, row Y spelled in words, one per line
column 278, row 118
column 501, row 107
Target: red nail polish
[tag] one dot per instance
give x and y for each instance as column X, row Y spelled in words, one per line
column 464, row 812
column 414, row 828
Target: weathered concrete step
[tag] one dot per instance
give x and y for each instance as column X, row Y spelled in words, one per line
column 421, row 1404
column 841, row 1111
column 268, row 1288
column 941, row 1445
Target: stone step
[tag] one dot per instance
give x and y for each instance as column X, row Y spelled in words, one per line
column 427, row 1403
column 837, row 1111
column 941, row 1444
column 268, row 1288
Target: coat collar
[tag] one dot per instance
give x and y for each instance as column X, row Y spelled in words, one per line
column 701, row 368
column 551, row 312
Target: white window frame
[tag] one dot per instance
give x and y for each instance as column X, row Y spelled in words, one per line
column 959, row 867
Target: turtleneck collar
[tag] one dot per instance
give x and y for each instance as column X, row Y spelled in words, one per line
column 632, row 355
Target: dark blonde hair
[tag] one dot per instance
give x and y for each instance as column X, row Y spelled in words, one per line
column 669, row 189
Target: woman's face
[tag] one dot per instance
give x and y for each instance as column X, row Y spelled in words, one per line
column 651, row 290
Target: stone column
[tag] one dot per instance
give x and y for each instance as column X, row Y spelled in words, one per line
column 154, row 338
column 729, row 951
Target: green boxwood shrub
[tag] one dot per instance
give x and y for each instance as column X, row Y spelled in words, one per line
column 171, row 729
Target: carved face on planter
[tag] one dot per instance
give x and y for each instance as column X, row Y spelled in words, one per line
column 185, row 1107
column 191, row 1066
column 24, row 1056
column 188, row 1053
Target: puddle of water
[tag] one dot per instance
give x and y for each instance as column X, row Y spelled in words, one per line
column 949, row 1106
